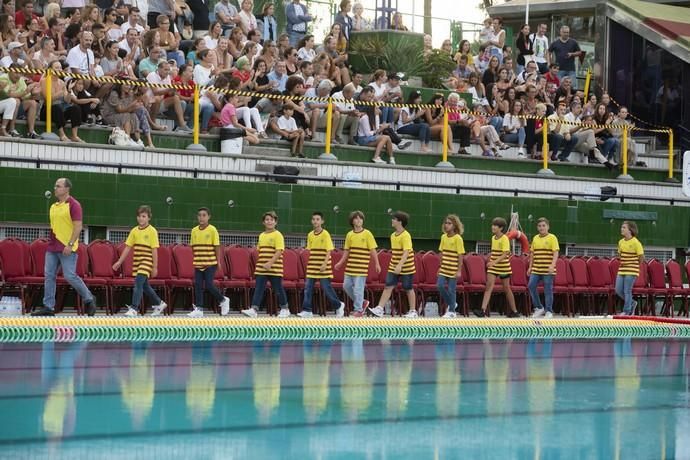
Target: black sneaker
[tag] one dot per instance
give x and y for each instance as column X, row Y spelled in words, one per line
column 513, row 314
column 32, row 135
column 479, row 313
column 90, row 307
column 45, row 311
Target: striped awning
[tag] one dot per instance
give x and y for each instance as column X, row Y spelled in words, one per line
column 671, row 23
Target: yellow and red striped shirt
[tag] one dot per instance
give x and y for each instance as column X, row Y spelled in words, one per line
column 400, row 243
column 630, row 252
column 498, row 247
column 359, row 246
column 319, row 245
column 204, row 243
column 143, row 241
column 450, row 248
column 543, row 248
column 269, row 243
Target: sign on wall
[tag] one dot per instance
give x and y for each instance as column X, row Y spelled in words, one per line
column 686, row 173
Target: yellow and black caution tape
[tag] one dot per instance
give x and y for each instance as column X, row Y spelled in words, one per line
column 283, row 97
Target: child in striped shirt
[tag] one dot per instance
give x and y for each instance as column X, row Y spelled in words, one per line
column 143, row 239
column 498, row 266
column 319, row 245
column 452, row 248
column 205, row 243
column 360, row 247
column 269, row 267
column 543, row 257
column 631, row 254
column 401, row 267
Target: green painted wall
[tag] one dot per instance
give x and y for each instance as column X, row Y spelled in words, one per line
column 111, row 200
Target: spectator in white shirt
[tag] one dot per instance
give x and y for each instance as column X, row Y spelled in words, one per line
column 286, row 126
column 349, row 115
column 541, row 48
column 213, row 35
column 247, row 18
column 130, row 46
column 165, row 99
column 205, row 70
column 15, row 51
column 80, row 58
column 133, row 21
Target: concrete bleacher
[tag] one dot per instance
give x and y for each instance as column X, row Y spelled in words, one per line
column 656, row 170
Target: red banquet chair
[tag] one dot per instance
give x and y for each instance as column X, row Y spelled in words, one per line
column 675, row 286
column 474, row 269
column 15, row 269
column 429, row 267
column 657, row 288
column 518, row 283
column 580, row 284
column 600, row 283
column 182, row 280
column 240, row 270
column 102, row 255
column 293, row 279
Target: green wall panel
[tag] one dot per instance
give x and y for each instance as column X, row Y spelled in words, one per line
column 111, row 200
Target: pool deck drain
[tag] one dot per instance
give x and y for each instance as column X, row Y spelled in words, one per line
column 235, row 328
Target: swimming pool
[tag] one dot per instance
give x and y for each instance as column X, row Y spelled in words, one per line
column 347, row 399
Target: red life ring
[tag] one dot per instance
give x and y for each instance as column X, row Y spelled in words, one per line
column 521, row 237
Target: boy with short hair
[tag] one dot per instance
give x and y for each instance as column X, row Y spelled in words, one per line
column 543, row 257
column 498, row 266
column 401, row 267
column 319, row 245
column 288, row 130
column 205, row 243
column 360, row 247
column 143, row 239
column 269, row 266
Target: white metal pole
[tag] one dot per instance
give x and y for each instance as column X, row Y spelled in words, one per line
column 527, row 12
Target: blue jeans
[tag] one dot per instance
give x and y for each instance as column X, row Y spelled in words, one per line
column 609, row 147
column 387, row 115
column 497, row 123
column 557, row 141
column 446, row 287
column 141, row 287
column 295, row 37
column 354, row 287
column 276, row 284
column 206, row 111
column 516, row 138
column 204, row 279
column 624, row 289
column 69, row 271
column 177, row 55
column 548, row 290
column 568, row 73
column 325, row 287
column 420, row 130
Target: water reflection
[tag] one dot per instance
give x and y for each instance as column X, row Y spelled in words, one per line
column 399, row 399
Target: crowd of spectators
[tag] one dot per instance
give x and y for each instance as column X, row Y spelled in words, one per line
column 244, row 50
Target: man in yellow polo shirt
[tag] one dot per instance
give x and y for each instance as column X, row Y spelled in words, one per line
column 65, row 227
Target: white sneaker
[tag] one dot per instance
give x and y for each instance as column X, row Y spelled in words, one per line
column 378, row 160
column 404, row 144
column 131, row 312
column 391, row 161
column 284, row 313
column 449, row 314
column 159, row 309
column 340, row 312
column 305, row 314
column 196, row 313
column 250, row 312
column 225, row 306
column 548, row 315
column 538, row 313
column 521, row 153
column 377, row 311
column 411, row 314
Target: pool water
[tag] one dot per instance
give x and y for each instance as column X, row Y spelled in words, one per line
column 615, row 399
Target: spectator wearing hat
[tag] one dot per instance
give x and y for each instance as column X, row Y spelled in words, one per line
column 14, row 50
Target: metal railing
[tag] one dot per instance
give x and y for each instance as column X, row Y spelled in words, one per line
column 335, row 181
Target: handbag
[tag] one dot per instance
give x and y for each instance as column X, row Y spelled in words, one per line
column 390, row 132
